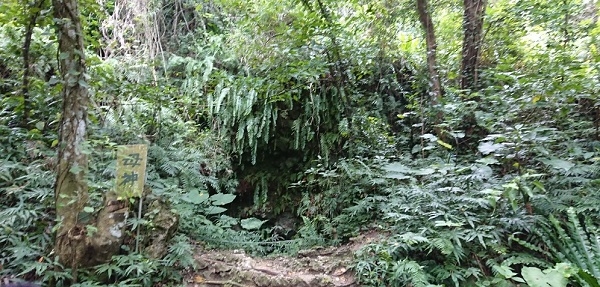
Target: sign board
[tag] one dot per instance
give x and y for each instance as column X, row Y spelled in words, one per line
column 131, row 170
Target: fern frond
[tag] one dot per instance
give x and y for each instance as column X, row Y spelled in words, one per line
column 570, row 241
column 535, row 248
column 442, row 244
column 408, row 272
column 526, row 259
column 582, row 246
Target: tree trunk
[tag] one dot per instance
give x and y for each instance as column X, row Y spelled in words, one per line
column 427, row 23
column 74, row 247
column 71, row 189
column 474, row 11
column 34, row 13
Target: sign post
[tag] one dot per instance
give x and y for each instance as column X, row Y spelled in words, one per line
column 131, row 175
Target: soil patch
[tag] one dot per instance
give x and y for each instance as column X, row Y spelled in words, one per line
column 317, row 267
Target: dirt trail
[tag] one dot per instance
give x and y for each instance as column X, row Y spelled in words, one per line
column 319, row 267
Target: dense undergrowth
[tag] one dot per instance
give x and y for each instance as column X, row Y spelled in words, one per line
column 290, row 126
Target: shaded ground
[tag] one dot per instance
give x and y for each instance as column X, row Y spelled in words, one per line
column 317, row 267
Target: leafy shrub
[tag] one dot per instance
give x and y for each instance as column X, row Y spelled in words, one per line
column 26, row 225
column 450, row 225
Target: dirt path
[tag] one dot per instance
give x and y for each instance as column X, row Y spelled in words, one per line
column 317, row 267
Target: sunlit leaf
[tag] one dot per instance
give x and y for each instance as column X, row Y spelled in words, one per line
column 558, row 163
column 222, row 198
column 425, row 171
column 538, row 278
column 444, row 144
column 488, row 160
column 489, row 147
column 252, row 223
column 195, row 197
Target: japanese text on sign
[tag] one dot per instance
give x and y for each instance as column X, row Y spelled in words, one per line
column 131, row 170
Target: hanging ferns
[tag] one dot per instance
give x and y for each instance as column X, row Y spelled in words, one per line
column 252, row 108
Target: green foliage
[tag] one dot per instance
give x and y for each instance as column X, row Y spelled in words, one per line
column 327, row 191
column 550, row 277
column 43, row 93
column 321, row 108
column 25, row 231
column 450, row 225
column 26, row 189
column 182, row 160
column 535, row 277
column 290, row 80
column 378, row 268
column 574, row 240
column 225, row 234
column 137, row 270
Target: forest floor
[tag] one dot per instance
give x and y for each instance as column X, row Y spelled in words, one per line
column 317, row 267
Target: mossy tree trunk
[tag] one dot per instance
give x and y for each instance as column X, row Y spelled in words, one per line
column 73, row 246
column 71, row 189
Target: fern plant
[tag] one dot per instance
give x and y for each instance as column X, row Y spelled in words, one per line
column 382, row 266
column 573, row 239
column 24, row 234
column 451, row 220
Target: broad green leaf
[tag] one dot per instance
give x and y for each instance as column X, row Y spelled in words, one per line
column 489, row 147
column 415, row 149
column 483, row 172
column 222, row 198
column 397, row 167
column 397, row 170
column 429, row 137
column 195, row 197
column 505, row 271
column 548, row 278
column 487, row 160
column 215, row 210
column 396, row 176
column 226, row 221
column 425, row 171
column 252, row 223
column 558, row 164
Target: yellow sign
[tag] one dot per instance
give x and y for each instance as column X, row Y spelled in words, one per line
column 131, row 170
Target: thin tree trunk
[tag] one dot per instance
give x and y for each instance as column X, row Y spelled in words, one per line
column 71, row 189
column 26, row 65
column 427, row 23
column 472, row 27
